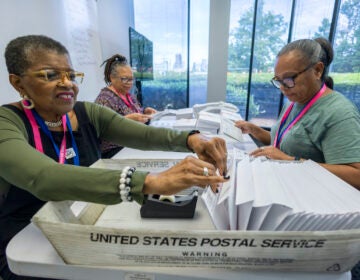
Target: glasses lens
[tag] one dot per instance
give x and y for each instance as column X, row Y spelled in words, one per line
column 40, row 74
column 52, row 75
column 288, row 82
column 276, row 83
column 127, row 80
column 75, row 77
column 72, row 76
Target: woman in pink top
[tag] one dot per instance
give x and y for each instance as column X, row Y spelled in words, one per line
column 116, row 95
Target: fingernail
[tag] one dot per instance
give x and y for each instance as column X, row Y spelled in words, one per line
column 226, row 176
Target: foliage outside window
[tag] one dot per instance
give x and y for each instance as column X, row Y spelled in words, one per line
column 167, row 28
column 251, row 62
column 180, row 56
column 345, row 69
column 252, row 55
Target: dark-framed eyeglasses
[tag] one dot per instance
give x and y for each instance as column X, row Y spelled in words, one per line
column 289, row 82
column 51, row 75
column 126, row 80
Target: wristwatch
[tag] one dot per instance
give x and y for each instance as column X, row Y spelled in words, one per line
column 191, row 133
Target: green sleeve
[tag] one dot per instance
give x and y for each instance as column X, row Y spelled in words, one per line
column 21, row 165
column 128, row 133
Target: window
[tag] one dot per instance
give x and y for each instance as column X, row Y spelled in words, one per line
column 240, row 37
column 258, row 30
column 311, row 21
column 345, row 69
column 198, row 48
column 253, row 45
column 167, row 28
column 180, row 56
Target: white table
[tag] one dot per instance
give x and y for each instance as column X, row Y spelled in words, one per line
column 30, row 253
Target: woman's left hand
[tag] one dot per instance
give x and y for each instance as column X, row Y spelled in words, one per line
column 138, row 117
column 212, row 150
column 271, row 153
column 188, row 172
column 149, row 111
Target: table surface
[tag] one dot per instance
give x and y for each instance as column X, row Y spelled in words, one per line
column 30, row 253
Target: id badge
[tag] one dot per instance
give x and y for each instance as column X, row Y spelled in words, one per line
column 70, row 153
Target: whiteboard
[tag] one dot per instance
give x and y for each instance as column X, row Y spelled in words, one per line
column 84, row 45
column 73, row 23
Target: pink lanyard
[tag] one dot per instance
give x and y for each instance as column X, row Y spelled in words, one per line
column 62, row 154
column 127, row 100
column 280, row 134
column 37, row 138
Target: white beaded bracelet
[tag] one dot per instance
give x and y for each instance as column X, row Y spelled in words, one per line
column 125, row 180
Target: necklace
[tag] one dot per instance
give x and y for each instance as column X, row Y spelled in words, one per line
column 54, row 124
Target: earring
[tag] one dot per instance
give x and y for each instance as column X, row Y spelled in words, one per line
column 27, row 103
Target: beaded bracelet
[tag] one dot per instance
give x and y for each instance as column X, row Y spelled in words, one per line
column 125, row 180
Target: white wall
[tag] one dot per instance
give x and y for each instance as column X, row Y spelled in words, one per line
column 218, row 49
column 115, row 17
column 91, row 30
column 19, row 18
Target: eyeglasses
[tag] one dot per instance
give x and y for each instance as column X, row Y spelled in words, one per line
column 126, row 80
column 290, row 81
column 51, row 75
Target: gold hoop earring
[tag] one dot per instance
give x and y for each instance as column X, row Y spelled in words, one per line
column 27, row 103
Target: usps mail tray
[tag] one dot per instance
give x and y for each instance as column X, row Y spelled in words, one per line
column 99, row 235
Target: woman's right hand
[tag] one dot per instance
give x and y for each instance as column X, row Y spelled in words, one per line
column 189, row 172
column 139, row 117
column 246, row 127
column 149, row 111
column 256, row 131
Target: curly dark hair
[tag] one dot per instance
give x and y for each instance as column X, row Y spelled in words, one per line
column 110, row 65
column 18, row 52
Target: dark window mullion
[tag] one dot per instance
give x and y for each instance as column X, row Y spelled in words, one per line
column 188, row 57
column 251, row 62
column 291, row 26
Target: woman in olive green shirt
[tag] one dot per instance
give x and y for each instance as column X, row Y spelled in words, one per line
column 48, row 140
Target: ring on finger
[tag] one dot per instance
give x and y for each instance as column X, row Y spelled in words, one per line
column 206, row 172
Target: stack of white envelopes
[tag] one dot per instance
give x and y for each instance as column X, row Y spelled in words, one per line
column 283, row 196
